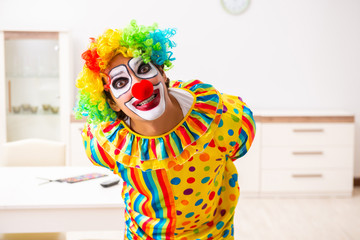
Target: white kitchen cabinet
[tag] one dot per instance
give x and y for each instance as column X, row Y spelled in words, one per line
column 310, row 155
column 35, row 85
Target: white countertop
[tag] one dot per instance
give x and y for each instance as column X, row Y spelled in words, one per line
column 21, row 188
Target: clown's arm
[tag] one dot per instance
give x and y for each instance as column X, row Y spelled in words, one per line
column 94, row 151
column 239, row 125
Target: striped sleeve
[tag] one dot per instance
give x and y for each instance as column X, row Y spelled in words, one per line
column 246, row 134
column 94, row 151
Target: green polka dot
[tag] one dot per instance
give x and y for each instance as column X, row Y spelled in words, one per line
column 232, row 210
column 207, row 168
column 198, row 193
column 196, row 231
column 235, row 119
column 223, row 189
column 216, row 183
column 221, row 138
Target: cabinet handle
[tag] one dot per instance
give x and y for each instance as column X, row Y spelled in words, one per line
column 307, row 175
column 308, row 153
column 308, row 130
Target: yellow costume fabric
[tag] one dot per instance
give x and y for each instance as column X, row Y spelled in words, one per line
column 183, row 184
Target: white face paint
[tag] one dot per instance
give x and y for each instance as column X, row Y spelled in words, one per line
column 142, row 70
column 151, row 108
column 120, row 80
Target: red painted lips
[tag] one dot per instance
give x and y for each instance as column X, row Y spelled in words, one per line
column 149, row 103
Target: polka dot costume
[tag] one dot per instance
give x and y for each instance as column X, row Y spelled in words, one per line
column 181, row 185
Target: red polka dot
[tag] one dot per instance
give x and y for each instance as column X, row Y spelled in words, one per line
column 212, row 143
column 212, row 195
column 210, row 223
column 220, row 201
column 210, row 182
column 117, row 151
column 191, row 180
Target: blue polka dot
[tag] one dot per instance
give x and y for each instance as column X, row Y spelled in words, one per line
column 233, row 180
column 219, row 192
column 175, row 181
column 221, row 123
column 219, row 225
column 189, row 215
column 231, row 132
column 232, row 143
column 205, row 179
column 85, row 143
column 198, row 202
column 206, row 144
column 176, row 198
column 236, row 111
column 226, row 233
column 209, row 236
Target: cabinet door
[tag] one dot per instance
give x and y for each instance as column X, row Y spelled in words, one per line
column 77, row 150
column 34, row 84
column 248, row 167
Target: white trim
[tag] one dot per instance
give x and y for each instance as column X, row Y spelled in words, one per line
column 3, row 136
column 65, row 89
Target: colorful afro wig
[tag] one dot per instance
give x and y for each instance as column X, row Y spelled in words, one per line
column 149, row 42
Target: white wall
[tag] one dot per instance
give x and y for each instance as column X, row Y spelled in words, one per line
column 278, row 55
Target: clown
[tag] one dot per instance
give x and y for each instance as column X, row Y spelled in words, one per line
column 172, row 143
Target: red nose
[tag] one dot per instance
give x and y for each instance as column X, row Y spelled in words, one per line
column 142, row 90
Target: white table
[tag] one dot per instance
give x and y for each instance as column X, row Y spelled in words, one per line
column 27, row 206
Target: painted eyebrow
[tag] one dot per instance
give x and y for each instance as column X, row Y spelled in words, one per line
column 116, row 73
column 137, row 61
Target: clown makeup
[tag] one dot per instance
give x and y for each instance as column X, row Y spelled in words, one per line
column 120, row 80
column 150, row 108
column 141, row 69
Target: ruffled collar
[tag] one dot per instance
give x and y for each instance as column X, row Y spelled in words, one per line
column 190, row 136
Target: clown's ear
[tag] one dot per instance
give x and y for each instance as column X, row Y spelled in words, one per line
column 113, row 105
